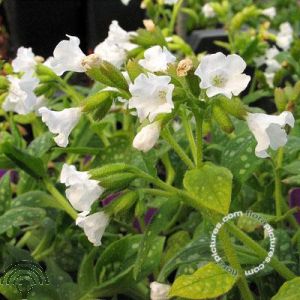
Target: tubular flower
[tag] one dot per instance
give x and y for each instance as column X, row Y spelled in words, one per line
column 25, row 61
column 151, row 96
column 157, row 59
column 82, row 191
column 208, row 11
column 222, row 74
column 21, row 98
column 60, row 122
column 147, row 137
column 285, row 36
column 93, row 226
column 67, row 56
column 159, row 291
column 269, row 130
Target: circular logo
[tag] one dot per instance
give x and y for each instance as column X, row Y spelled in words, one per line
column 268, row 230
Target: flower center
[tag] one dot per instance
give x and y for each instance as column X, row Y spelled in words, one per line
column 162, row 96
column 219, row 80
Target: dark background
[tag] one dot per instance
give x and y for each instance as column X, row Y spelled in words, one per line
column 41, row 24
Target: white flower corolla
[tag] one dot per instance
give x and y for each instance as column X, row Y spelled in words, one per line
column 285, row 36
column 157, row 59
column 208, row 11
column 114, row 48
column 269, row 130
column 272, row 65
column 120, row 37
column 21, row 97
column 60, row 122
column 81, row 191
column 67, row 56
column 146, row 139
column 159, row 291
column 24, row 61
column 222, row 74
column 151, row 95
column 125, row 2
column 269, row 12
column 93, row 226
column 111, row 53
column 170, row 2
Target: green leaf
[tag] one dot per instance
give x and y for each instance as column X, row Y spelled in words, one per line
column 290, row 290
column 293, row 168
column 194, row 252
column 175, row 243
column 86, row 274
column 30, row 164
column 78, row 150
column 292, row 180
column 5, row 193
column 158, row 223
column 252, row 97
column 21, row 216
column 39, row 146
column 208, row 282
column 35, row 199
column 239, row 156
column 211, row 185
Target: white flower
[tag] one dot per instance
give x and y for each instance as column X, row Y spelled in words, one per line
column 269, row 79
column 269, row 130
column 170, row 2
column 285, row 36
column 60, row 122
column 222, row 74
column 25, row 61
column 120, row 37
column 157, row 59
column 208, row 11
column 151, row 95
column 269, row 12
column 82, row 191
column 159, row 291
column 111, row 53
column 114, row 48
column 67, row 56
column 125, row 2
column 93, row 226
column 21, row 98
column 272, row 64
column 147, row 137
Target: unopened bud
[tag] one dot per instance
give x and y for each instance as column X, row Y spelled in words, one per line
column 91, row 61
column 184, row 67
column 39, row 59
column 149, row 25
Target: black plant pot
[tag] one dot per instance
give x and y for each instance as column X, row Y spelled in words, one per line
column 102, row 12
column 203, row 40
column 41, row 24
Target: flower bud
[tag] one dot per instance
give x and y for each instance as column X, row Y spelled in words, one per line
column 147, row 137
column 184, row 67
column 91, row 61
column 117, row 181
column 122, row 203
column 108, row 170
column 39, row 59
column 234, row 107
column 280, row 99
column 149, row 25
column 222, row 118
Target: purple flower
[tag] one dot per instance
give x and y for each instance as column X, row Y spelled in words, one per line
column 2, row 172
column 294, row 197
